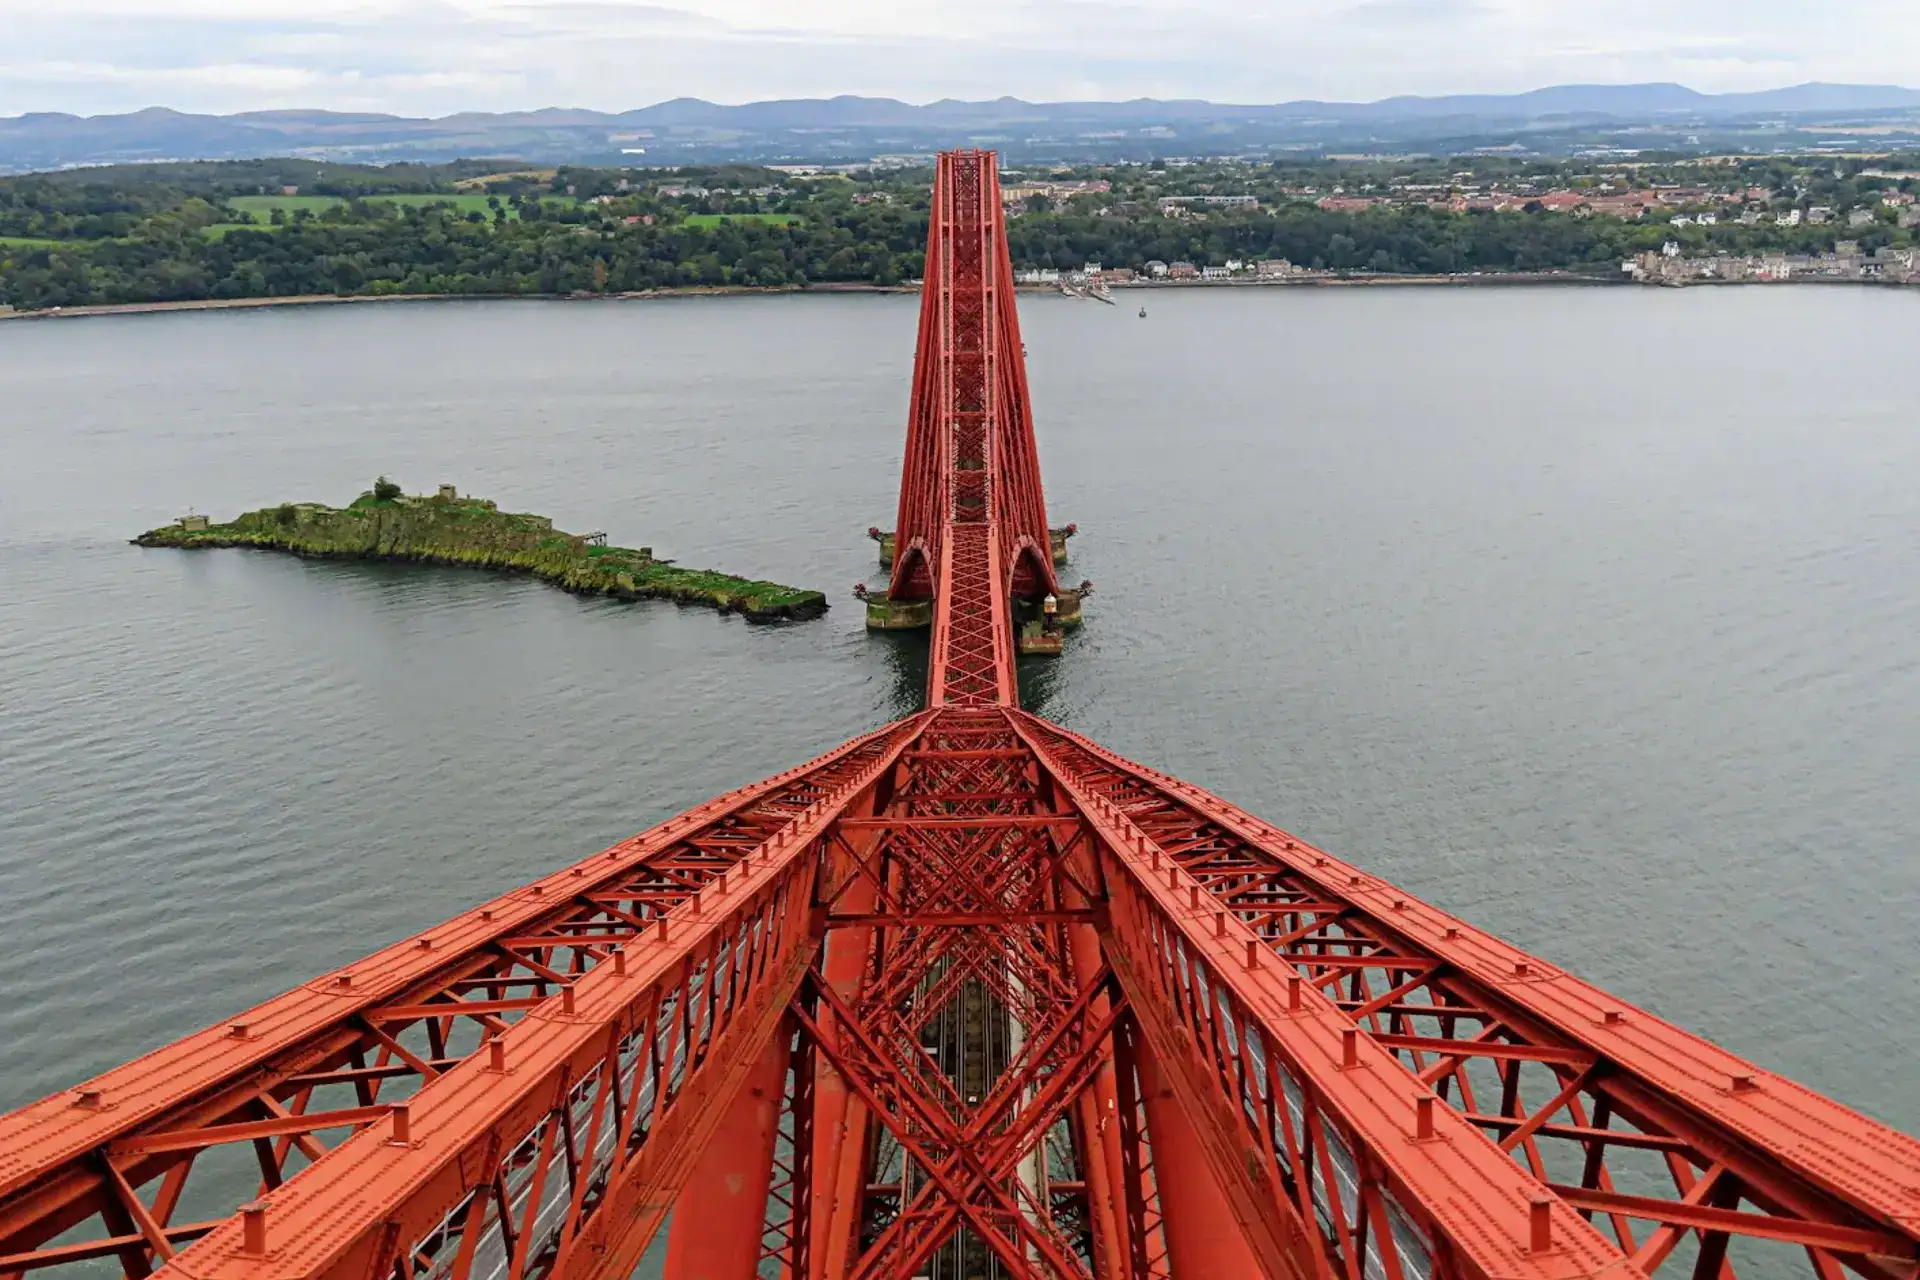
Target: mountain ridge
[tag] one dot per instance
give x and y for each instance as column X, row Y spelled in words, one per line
column 785, row 127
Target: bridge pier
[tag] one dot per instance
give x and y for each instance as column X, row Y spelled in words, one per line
column 884, row 614
column 1057, row 537
column 1034, row 631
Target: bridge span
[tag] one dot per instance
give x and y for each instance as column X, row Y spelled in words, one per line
column 969, row 996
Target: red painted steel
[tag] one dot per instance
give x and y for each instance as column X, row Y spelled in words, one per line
column 972, row 525
column 367, row 1033
column 969, row 996
column 726, row 1194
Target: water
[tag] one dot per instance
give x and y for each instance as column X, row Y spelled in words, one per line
column 1587, row 614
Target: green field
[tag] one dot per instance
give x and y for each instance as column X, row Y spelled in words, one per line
column 715, row 219
column 262, row 207
column 29, row 242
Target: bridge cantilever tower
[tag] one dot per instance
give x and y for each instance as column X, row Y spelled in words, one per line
column 972, row 525
column 967, row 996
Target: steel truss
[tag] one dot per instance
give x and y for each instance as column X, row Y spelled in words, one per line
column 972, row 525
column 969, row 996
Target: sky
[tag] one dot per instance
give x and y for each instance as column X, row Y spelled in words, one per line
column 434, row 57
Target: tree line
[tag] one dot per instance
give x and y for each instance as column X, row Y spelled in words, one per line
column 171, row 237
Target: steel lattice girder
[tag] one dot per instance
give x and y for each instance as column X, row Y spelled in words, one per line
column 1343, row 950
column 84, row 1156
column 1313, row 1108
column 972, row 523
column 969, row 867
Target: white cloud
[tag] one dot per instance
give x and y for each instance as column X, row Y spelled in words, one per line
column 437, row 56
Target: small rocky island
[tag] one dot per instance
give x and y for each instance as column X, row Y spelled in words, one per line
column 446, row 528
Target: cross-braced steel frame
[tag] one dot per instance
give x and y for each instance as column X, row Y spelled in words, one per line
column 968, row 996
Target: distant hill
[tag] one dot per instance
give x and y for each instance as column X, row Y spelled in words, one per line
column 855, row 128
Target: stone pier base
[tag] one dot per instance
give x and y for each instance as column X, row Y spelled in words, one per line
column 1034, row 638
column 1035, row 633
column 906, row 615
column 1058, row 537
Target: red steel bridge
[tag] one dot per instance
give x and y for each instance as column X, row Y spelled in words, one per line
column 967, row 997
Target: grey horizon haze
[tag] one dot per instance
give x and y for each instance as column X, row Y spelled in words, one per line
column 435, row 57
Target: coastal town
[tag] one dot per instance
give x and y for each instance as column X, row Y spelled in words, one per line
column 1833, row 241
column 1847, row 262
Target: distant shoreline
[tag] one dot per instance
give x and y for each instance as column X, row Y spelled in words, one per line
column 331, row 299
column 1490, row 279
column 1509, row 279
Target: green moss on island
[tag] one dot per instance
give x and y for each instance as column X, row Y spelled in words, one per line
column 450, row 530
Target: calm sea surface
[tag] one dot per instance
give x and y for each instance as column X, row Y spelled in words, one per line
column 1591, row 615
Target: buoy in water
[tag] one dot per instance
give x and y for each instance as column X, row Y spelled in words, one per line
column 1143, row 313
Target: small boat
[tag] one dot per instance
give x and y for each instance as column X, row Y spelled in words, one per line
column 1143, row 313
